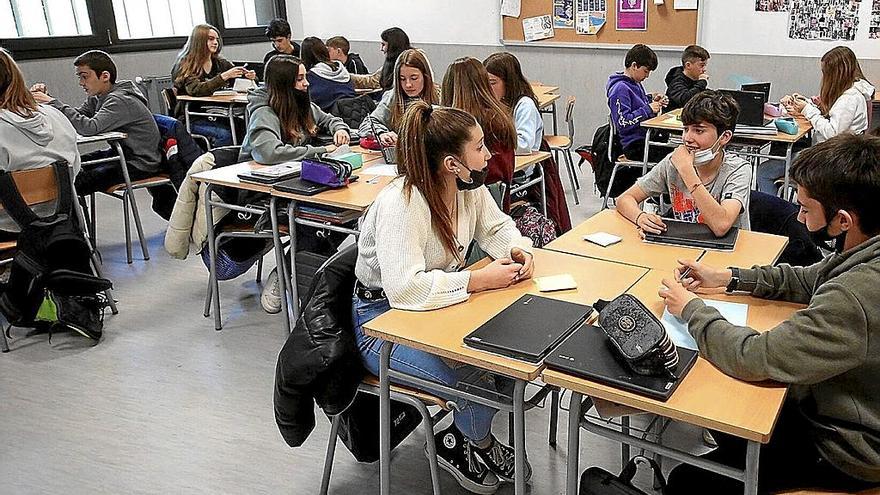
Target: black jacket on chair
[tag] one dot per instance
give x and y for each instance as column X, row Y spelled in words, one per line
column 320, row 362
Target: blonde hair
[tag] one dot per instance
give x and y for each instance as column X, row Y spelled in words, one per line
column 191, row 59
column 15, row 96
column 417, row 60
column 840, row 70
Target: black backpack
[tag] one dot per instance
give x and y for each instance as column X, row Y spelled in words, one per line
column 602, row 166
column 52, row 261
column 353, row 110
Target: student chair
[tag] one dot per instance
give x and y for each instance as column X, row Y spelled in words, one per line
column 124, row 191
column 39, row 188
column 562, row 144
column 620, row 161
column 169, row 98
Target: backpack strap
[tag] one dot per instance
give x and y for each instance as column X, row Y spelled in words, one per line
column 14, row 204
column 65, row 187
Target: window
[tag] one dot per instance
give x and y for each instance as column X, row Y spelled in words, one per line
column 157, row 18
column 247, row 13
column 41, row 18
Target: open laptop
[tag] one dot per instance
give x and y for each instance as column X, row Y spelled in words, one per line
column 389, row 153
column 588, row 354
column 529, row 328
column 751, row 107
column 696, row 235
column 759, row 87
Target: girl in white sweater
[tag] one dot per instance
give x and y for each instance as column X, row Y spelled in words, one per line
column 410, row 253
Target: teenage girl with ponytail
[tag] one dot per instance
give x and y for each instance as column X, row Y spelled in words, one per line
column 410, row 255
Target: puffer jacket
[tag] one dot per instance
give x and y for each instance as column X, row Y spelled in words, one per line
column 320, row 362
column 188, row 223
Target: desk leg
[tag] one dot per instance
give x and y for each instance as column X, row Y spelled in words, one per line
column 624, row 447
column 788, row 153
column 232, row 124
column 574, row 442
column 519, row 437
column 213, row 286
column 279, row 262
column 294, row 289
column 555, row 124
column 647, row 148
column 186, row 118
column 385, row 421
column 753, row 455
column 543, row 188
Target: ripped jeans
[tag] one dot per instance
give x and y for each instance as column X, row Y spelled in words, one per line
column 473, row 420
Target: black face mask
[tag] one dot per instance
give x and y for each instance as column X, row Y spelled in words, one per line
column 822, row 238
column 478, row 178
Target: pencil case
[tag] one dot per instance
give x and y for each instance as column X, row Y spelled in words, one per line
column 787, row 125
column 327, row 171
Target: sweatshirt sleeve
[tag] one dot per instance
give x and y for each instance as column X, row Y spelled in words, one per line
column 407, row 282
column 680, row 92
column 381, row 116
column 527, row 119
column 841, row 117
column 826, row 339
column 328, row 122
column 264, row 133
column 112, row 115
column 626, row 111
column 781, row 282
column 495, row 232
column 367, row 81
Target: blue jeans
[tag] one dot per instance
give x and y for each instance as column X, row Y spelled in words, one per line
column 768, row 173
column 473, row 420
column 216, row 131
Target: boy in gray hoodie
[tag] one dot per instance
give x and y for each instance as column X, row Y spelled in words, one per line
column 111, row 106
column 828, row 434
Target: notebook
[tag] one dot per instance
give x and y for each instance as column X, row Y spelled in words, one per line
column 588, row 354
column 299, row 186
column 275, row 173
column 696, row 235
column 529, row 328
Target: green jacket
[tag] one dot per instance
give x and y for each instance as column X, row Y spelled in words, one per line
column 829, row 352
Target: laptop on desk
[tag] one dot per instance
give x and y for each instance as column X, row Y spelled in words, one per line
column 588, row 354
column 695, row 235
column 751, row 107
column 759, row 87
column 529, row 328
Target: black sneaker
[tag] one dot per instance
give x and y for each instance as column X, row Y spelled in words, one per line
column 456, row 455
column 85, row 315
column 501, row 460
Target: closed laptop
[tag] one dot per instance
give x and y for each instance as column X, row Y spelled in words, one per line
column 529, row 328
column 696, row 235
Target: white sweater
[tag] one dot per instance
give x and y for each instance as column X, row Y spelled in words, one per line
column 399, row 251
column 529, row 125
column 848, row 114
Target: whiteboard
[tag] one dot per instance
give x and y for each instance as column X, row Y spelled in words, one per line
column 733, row 27
column 459, row 22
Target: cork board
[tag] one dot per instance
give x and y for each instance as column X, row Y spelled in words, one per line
column 666, row 26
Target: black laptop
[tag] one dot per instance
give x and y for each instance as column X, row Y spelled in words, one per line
column 588, row 354
column 751, row 107
column 759, row 87
column 529, row 328
column 300, row 186
column 695, row 235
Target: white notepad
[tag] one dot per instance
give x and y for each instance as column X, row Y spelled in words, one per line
column 556, row 282
column 603, row 239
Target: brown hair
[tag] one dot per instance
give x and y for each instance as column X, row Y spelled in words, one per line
column 192, row 58
column 417, row 60
column 840, row 70
column 314, row 51
column 339, row 42
column 505, row 66
column 14, row 94
column 466, row 86
column 427, row 136
column 294, row 109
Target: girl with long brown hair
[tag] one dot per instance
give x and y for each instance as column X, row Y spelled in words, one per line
column 329, row 80
column 510, row 86
column 466, row 86
column 31, row 135
column 413, row 81
column 412, row 245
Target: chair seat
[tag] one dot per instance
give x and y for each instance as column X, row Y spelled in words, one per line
column 156, row 180
column 558, row 142
column 7, row 246
column 431, row 400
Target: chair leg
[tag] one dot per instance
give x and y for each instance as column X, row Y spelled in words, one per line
column 610, row 183
column 93, row 220
column 570, row 168
column 431, row 447
column 4, row 346
column 137, row 223
column 574, row 170
column 209, row 294
column 510, row 428
column 554, row 417
column 127, row 223
column 328, row 459
column 260, row 269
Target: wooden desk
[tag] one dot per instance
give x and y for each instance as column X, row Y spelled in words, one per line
column 228, row 100
column 356, row 196
column 706, row 397
column 752, row 248
column 521, row 162
column 539, row 88
column 100, row 138
column 441, row 331
column 547, row 99
column 630, row 250
column 239, row 98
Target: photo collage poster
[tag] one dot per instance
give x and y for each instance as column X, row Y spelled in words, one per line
column 874, row 27
column 824, row 20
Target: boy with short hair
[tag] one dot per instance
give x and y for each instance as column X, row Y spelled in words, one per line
column 630, row 105
column 828, row 434
column 339, row 48
column 688, row 79
column 278, row 32
column 111, row 106
column 704, row 182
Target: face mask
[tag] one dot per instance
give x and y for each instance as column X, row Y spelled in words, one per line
column 822, row 238
column 478, row 178
column 705, row 156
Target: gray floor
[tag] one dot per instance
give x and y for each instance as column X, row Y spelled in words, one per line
column 164, row 404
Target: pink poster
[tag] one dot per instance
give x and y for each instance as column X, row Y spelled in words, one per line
column 632, row 15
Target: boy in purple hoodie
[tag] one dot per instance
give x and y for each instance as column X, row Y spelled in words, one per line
column 630, row 105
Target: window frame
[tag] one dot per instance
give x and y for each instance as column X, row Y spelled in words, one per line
column 105, row 36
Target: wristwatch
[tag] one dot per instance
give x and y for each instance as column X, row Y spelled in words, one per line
column 734, row 279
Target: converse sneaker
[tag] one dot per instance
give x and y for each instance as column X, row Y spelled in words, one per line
column 270, row 297
column 501, row 460
column 456, row 455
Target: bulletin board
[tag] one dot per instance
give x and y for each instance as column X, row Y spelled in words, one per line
column 666, row 27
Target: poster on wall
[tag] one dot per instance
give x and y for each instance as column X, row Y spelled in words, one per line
column 590, row 16
column 563, row 14
column 823, row 20
column 537, row 28
column 632, row 15
column 771, row 5
column 874, row 27
column 511, row 8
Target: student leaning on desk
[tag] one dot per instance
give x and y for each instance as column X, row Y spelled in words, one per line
column 410, row 254
column 828, row 434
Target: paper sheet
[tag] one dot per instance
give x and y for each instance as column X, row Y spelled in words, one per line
column 735, row 313
column 510, row 8
column 384, row 170
column 342, row 150
column 685, row 5
column 537, row 28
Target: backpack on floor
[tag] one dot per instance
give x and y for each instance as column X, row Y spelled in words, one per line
column 50, row 272
column 534, row 225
